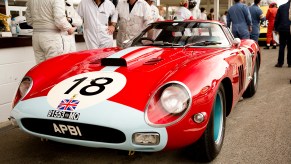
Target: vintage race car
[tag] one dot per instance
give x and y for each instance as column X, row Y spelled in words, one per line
column 171, row 87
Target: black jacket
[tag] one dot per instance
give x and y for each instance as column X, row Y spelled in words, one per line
column 282, row 22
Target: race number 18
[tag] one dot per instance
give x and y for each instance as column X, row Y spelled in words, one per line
column 94, row 83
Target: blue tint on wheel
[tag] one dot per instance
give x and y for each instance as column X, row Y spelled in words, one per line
column 218, row 118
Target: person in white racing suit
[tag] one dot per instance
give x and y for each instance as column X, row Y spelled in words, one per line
column 98, row 29
column 48, row 19
column 75, row 20
column 134, row 16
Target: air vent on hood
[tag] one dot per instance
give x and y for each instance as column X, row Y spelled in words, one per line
column 153, row 61
column 113, row 62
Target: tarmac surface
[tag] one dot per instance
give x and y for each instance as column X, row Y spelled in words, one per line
column 258, row 131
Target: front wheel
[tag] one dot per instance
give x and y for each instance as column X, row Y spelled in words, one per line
column 211, row 141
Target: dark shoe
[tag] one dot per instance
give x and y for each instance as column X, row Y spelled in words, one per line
column 278, row 65
column 274, row 47
column 267, row 47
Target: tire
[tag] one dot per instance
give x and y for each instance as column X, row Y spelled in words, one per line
column 253, row 86
column 211, row 141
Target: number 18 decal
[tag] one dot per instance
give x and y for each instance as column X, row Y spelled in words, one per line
column 89, row 88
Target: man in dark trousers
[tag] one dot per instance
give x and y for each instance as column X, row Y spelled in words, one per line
column 282, row 26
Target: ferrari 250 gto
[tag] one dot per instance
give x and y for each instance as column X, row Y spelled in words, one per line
column 172, row 86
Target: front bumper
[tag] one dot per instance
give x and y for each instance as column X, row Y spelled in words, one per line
column 105, row 125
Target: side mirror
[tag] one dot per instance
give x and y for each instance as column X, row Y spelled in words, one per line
column 236, row 42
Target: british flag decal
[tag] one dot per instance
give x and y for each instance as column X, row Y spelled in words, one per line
column 68, row 104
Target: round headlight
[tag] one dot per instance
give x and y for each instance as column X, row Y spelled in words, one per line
column 174, row 99
column 168, row 104
column 24, row 86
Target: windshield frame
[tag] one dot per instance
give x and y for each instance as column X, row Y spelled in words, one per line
column 184, row 24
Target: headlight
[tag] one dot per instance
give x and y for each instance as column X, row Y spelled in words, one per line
column 23, row 89
column 168, row 105
column 174, row 99
column 24, row 86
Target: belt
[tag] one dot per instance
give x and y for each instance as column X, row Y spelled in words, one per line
column 45, row 30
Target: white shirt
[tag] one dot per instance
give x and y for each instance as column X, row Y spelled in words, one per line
column 97, row 16
column 183, row 13
column 96, row 22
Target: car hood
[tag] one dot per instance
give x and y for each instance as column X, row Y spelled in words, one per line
column 144, row 69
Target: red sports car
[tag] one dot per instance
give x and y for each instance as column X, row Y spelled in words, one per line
column 172, row 87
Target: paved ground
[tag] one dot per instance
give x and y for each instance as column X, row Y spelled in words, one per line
column 258, row 131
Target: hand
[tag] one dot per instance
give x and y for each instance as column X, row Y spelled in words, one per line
column 111, row 29
column 71, row 30
column 250, row 29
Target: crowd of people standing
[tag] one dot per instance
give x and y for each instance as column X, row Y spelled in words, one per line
column 56, row 21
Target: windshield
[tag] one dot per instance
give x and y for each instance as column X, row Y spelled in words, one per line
column 175, row 34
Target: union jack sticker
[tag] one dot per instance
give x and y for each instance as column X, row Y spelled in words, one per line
column 68, row 104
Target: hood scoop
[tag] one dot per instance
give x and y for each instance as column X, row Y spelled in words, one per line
column 113, row 62
column 153, row 61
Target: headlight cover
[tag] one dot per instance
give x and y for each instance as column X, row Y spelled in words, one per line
column 24, row 87
column 168, row 104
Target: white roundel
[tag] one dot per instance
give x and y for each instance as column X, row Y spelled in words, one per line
column 85, row 90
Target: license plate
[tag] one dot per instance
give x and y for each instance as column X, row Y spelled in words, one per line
column 67, row 129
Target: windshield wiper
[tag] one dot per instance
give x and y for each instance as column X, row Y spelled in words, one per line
column 161, row 43
column 203, row 43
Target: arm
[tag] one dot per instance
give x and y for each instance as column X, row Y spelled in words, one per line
column 80, row 10
column 248, row 17
column 28, row 14
column 76, row 19
column 113, row 20
column 60, row 17
column 277, row 20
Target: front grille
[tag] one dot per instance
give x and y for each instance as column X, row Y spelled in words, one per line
column 73, row 130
